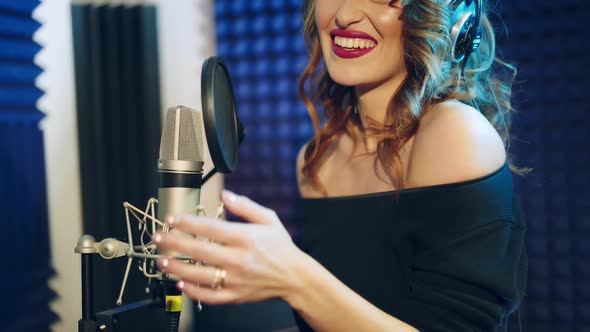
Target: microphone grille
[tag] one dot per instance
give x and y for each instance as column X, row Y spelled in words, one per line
column 182, row 135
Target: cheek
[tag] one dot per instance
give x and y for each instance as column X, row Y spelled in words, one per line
column 325, row 10
column 390, row 27
column 324, row 15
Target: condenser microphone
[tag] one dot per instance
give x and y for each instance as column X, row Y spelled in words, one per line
column 180, row 172
column 180, row 165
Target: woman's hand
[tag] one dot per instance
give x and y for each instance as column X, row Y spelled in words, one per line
column 258, row 258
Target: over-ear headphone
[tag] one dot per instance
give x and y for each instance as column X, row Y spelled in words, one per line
column 465, row 28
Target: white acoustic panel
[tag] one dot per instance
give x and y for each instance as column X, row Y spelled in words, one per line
column 61, row 151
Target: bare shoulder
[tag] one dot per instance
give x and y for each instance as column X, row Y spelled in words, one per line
column 305, row 185
column 299, row 164
column 305, row 188
column 454, row 143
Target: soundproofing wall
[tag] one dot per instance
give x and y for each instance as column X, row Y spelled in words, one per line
column 551, row 134
column 23, row 189
column 118, row 108
column 262, row 44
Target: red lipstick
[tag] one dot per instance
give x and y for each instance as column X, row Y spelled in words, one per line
column 348, row 53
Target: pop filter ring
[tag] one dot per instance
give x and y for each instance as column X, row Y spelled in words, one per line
column 224, row 132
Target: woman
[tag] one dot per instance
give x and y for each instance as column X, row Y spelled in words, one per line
column 410, row 222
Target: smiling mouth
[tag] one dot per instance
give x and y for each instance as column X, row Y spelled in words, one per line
column 353, row 43
column 349, row 44
column 352, row 38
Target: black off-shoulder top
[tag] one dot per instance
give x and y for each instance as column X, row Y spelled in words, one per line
column 441, row 258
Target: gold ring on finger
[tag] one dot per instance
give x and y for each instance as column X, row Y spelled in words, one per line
column 219, row 279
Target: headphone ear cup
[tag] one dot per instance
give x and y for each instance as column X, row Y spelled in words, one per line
column 465, row 32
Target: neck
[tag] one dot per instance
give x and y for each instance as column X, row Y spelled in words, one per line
column 373, row 102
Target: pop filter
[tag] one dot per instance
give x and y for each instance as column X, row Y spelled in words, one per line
column 223, row 129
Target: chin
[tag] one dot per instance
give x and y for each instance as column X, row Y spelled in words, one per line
column 348, row 75
column 355, row 78
column 348, row 81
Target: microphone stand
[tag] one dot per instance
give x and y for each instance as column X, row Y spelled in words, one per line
column 107, row 320
column 164, row 292
column 169, row 297
column 86, row 248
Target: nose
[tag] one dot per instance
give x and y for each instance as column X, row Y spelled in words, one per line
column 350, row 12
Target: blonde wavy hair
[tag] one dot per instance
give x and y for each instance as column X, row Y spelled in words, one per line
column 485, row 83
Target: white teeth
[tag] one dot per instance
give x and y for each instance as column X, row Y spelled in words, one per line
column 354, row 42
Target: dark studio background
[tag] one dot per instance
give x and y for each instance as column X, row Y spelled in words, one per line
column 262, row 45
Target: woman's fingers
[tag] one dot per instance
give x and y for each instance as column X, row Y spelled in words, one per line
column 248, row 209
column 207, row 295
column 198, row 250
column 216, row 230
column 203, row 275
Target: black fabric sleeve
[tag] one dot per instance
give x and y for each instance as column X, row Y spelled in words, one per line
column 471, row 278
